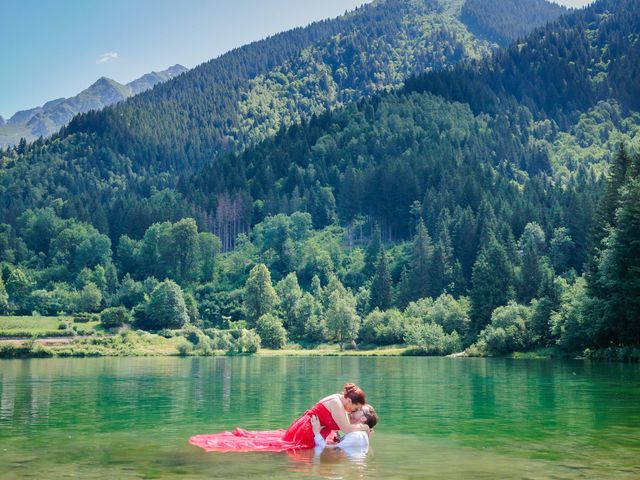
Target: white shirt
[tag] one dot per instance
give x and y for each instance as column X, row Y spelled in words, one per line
column 353, row 444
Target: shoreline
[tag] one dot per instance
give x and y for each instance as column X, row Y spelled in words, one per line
column 158, row 346
column 144, row 344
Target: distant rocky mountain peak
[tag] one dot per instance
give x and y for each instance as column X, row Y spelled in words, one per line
column 54, row 114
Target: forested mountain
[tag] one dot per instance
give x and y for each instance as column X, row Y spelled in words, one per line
column 471, row 189
column 248, row 93
column 106, row 159
column 557, row 72
column 503, row 21
column 50, row 117
column 375, row 158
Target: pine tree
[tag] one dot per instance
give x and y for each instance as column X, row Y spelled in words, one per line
column 532, row 246
column 492, row 284
column 421, row 257
column 560, row 248
column 402, row 295
column 440, row 272
column 619, row 272
column 373, row 251
column 381, row 287
column 209, row 247
column 441, row 268
column 459, row 283
column 192, row 309
column 316, row 287
column 530, row 275
column 604, row 217
column 487, row 223
column 465, row 240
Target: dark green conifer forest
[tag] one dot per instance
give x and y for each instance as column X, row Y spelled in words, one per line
column 427, row 173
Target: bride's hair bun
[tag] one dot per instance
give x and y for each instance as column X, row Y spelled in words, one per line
column 349, row 387
column 354, row 393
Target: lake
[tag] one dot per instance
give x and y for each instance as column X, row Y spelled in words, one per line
column 439, row 417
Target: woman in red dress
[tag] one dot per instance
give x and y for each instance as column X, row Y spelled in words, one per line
column 332, row 412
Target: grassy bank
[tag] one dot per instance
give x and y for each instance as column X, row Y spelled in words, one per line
column 334, row 350
column 38, row 336
column 139, row 343
column 36, row 326
column 128, row 343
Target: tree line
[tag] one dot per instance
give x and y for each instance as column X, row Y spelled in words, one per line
column 291, row 282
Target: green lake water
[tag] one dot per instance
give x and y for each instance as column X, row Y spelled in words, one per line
column 439, row 417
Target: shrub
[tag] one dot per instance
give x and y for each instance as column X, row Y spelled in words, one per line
column 194, row 334
column 88, row 299
column 248, row 342
column 220, row 339
column 114, row 317
column 29, row 349
column 205, row 348
column 451, row 314
column 419, row 310
column 620, row 354
column 184, row 347
column 42, row 301
column 383, row 328
column 507, row 331
column 215, row 306
column 271, row 331
column 85, row 317
column 130, row 292
column 202, row 344
column 430, row 339
column 166, row 308
column 371, row 327
column 167, row 333
column 65, row 325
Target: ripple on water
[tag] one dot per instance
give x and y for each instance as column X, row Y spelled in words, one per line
column 440, row 418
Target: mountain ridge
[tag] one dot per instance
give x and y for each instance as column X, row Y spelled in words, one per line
column 54, row 114
column 287, row 78
column 129, row 156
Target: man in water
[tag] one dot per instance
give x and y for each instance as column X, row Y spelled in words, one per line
column 353, row 443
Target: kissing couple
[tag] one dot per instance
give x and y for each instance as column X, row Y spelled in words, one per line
column 318, row 427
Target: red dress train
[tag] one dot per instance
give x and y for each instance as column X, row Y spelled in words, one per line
column 298, row 436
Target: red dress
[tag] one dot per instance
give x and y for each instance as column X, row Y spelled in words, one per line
column 298, row 436
column 301, row 433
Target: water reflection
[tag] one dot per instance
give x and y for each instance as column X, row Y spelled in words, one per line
column 330, row 463
column 452, row 417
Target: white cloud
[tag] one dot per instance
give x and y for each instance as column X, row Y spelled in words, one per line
column 107, row 57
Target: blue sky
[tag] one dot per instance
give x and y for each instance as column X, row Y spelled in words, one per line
column 56, row 48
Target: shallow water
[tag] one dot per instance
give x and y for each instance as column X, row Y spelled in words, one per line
column 439, row 417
